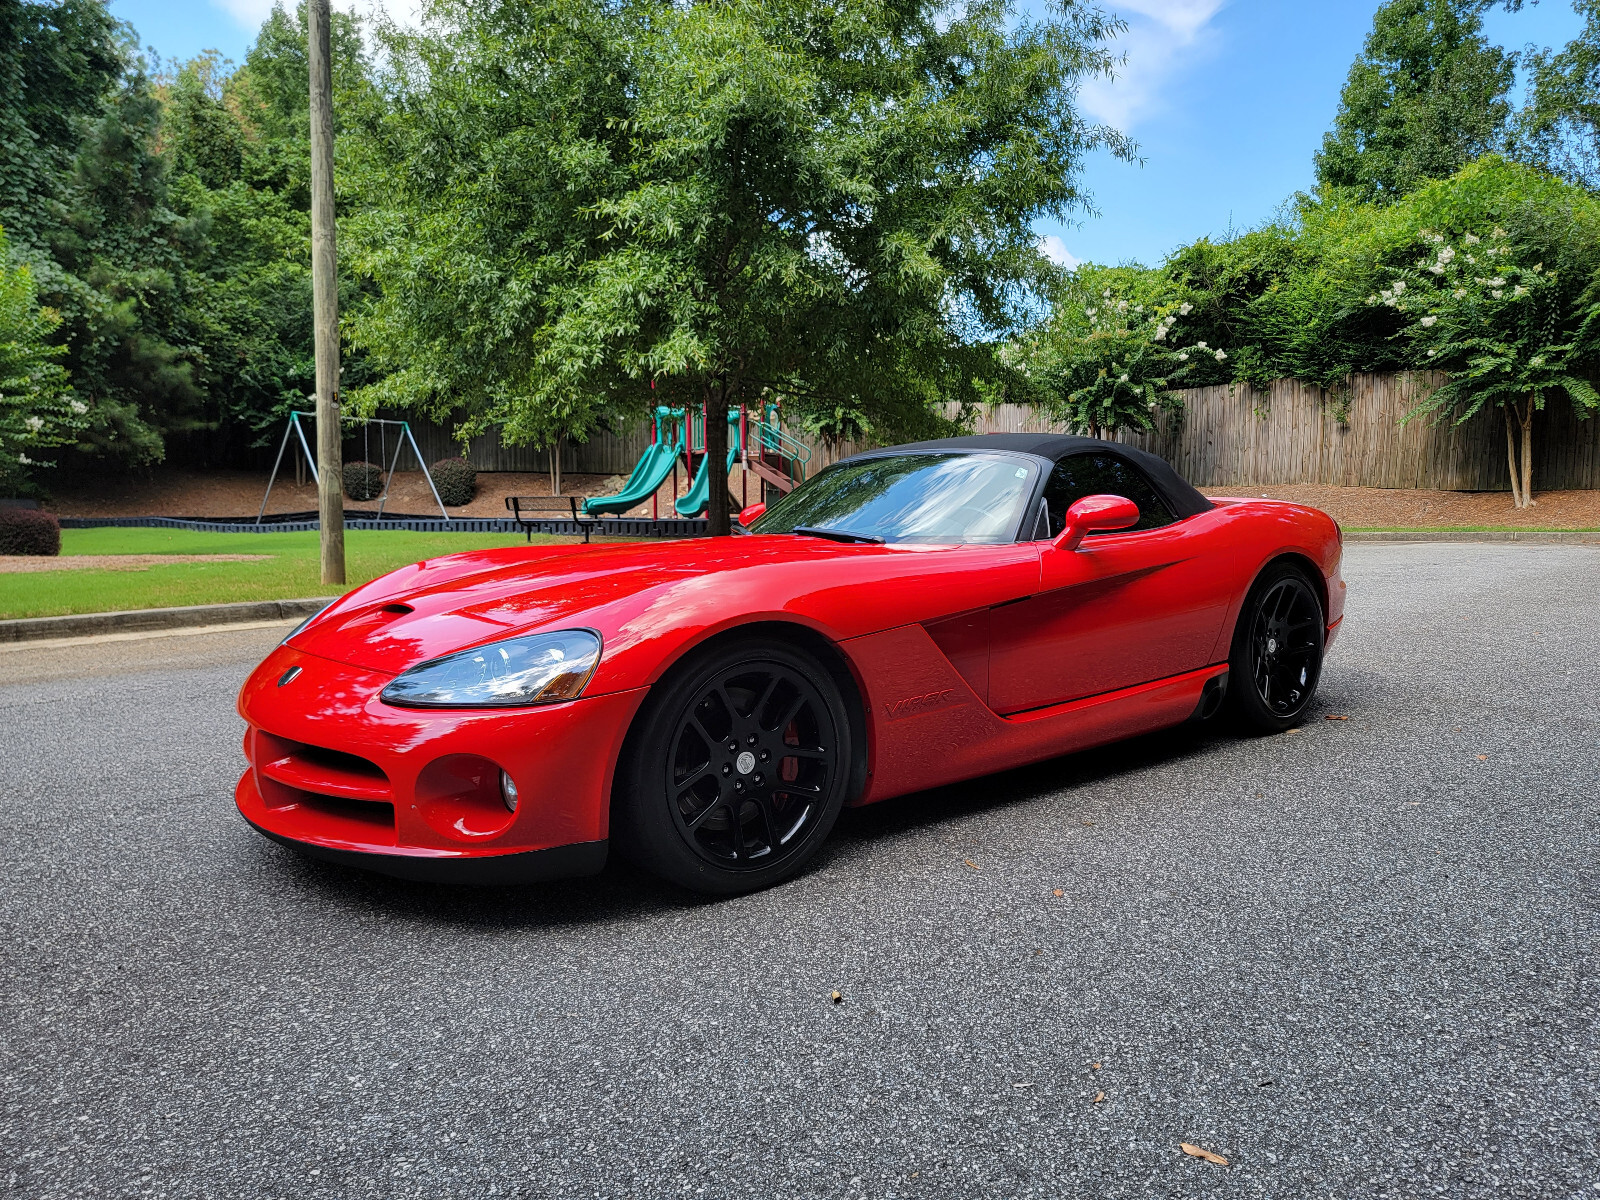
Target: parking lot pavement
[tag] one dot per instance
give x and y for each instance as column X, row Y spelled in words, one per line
column 1357, row 960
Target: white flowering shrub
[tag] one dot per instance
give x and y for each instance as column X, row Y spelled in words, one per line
column 1108, row 360
column 1507, row 331
column 37, row 408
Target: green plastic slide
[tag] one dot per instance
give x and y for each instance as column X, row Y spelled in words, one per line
column 649, row 473
column 693, row 502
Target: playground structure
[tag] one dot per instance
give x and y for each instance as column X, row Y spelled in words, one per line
column 402, row 438
column 678, row 435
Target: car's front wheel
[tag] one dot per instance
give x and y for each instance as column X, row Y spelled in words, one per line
column 736, row 770
column 1276, row 659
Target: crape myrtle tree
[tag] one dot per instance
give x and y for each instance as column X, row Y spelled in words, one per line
column 1117, row 344
column 1497, row 289
column 730, row 199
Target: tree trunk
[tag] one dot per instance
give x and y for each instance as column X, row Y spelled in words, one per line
column 717, row 458
column 555, row 466
column 1527, row 456
column 1519, row 458
column 1511, row 460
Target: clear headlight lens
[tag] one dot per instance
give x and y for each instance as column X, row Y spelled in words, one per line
column 541, row 669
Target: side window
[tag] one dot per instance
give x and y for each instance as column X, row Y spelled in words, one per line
column 1080, row 475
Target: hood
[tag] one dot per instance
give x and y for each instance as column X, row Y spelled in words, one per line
column 449, row 604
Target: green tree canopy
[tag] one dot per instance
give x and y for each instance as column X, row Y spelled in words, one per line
column 37, row 410
column 730, row 199
column 1426, row 96
column 1559, row 129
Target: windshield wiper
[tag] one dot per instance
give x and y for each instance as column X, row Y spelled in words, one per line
column 837, row 535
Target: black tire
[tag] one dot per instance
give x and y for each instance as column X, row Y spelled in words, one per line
column 735, row 770
column 1276, row 659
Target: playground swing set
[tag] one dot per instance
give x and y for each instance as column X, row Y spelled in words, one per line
column 404, row 436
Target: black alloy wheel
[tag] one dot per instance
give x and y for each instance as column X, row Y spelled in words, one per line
column 738, row 770
column 1276, row 660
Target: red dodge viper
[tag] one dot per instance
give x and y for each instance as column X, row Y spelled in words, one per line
column 907, row 618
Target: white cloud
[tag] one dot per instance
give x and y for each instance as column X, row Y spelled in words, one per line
column 1056, row 251
column 250, row 13
column 1164, row 38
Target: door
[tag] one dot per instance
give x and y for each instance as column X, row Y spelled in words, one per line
column 1125, row 608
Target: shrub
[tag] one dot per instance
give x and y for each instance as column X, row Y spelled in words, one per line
column 456, row 480
column 363, row 481
column 29, row 531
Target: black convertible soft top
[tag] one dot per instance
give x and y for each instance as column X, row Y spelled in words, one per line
column 1179, row 494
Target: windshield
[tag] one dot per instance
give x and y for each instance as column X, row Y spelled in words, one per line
column 943, row 498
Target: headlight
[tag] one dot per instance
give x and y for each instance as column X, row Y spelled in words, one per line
column 527, row 670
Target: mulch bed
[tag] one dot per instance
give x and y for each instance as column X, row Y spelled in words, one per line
column 1409, row 508
column 18, row 564
column 173, row 493
column 238, row 494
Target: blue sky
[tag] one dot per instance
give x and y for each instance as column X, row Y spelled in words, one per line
column 1228, row 100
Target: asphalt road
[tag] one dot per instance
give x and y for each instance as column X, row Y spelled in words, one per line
column 1359, row 960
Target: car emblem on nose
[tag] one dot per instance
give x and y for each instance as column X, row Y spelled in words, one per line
column 745, row 763
column 288, row 676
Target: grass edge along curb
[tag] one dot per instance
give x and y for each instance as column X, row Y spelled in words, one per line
column 1546, row 536
column 141, row 620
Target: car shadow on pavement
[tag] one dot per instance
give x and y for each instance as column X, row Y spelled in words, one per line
column 918, row 811
column 621, row 892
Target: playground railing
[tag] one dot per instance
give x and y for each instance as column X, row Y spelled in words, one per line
column 795, row 454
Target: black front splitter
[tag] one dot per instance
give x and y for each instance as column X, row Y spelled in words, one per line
column 486, row 870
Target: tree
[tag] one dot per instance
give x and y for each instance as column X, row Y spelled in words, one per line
column 83, row 192
column 37, row 408
column 1426, row 96
column 1113, row 352
column 832, row 203
column 56, row 63
column 1502, row 299
column 1559, row 129
column 237, row 144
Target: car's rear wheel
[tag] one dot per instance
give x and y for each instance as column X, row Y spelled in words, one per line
column 1276, row 659
column 736, row 770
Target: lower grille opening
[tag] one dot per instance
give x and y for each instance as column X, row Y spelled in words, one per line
column 328, row 793
column 368, row 812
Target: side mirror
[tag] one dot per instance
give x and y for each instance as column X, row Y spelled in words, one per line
column 1094, row 513
column 750, row 515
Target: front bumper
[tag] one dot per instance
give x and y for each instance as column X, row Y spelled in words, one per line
column 336, row 773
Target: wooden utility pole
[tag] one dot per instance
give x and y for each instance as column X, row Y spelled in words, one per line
column 325, row 297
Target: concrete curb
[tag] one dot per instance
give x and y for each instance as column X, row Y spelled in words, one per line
column 143, row 620
column 1556, row 537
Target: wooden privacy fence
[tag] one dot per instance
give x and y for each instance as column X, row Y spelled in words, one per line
column 1289, row 433
column 1294, row 433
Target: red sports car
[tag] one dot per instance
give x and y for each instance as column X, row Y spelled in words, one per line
column 907, row 618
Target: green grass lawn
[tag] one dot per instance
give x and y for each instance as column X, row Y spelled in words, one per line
column 290, row 573
column 1466, row 529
